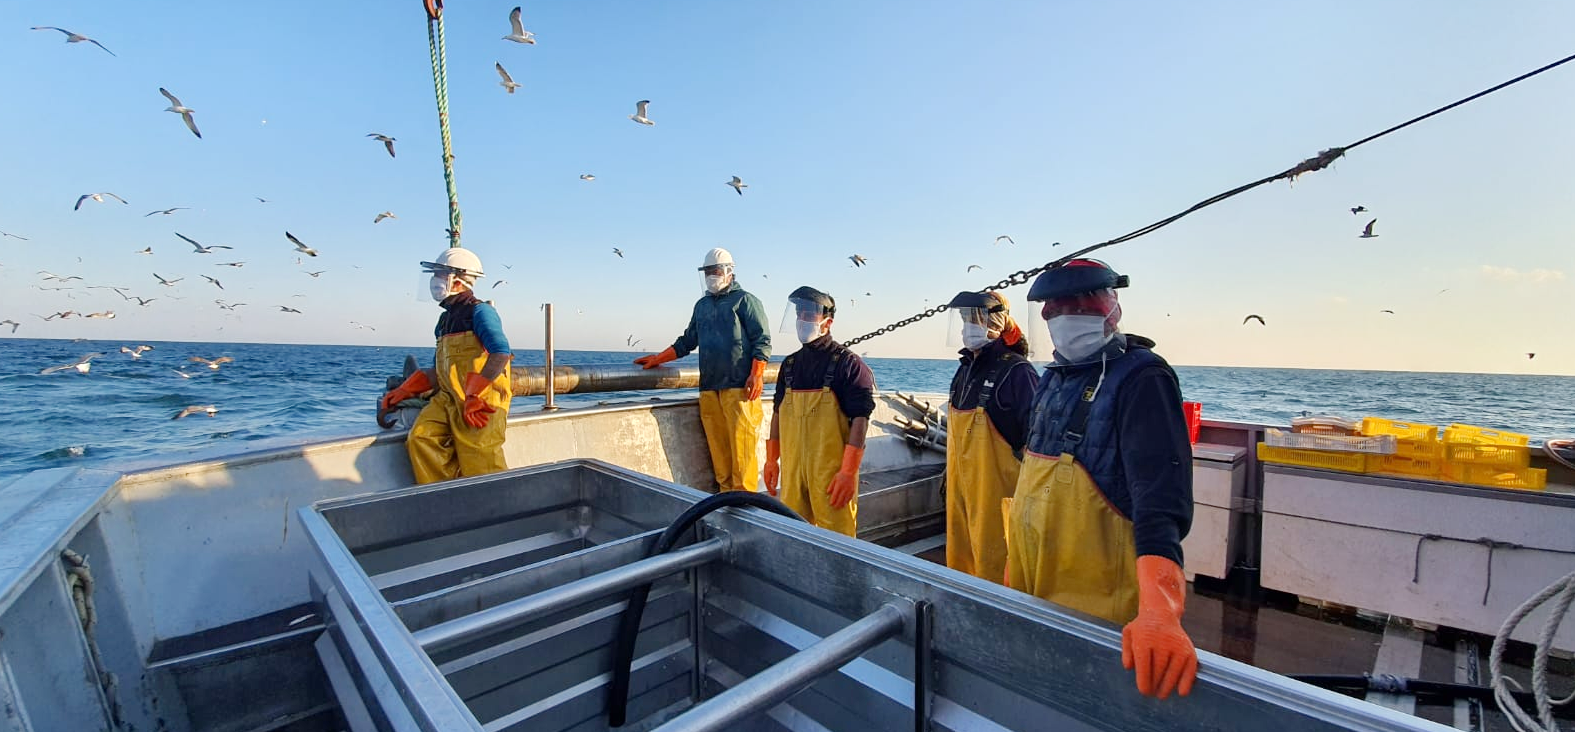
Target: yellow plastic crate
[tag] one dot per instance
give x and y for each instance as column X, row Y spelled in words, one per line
column 1465, row 434
column 1522, row 478
column 1350, row 462
column 1417, row 441
column 1422, row 467
column 1497, row 456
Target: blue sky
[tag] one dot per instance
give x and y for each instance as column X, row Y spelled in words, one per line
column 911, row 133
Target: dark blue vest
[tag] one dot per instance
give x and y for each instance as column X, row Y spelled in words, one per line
column 1099, row 452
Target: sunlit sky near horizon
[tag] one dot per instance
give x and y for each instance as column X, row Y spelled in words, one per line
column 910, row 133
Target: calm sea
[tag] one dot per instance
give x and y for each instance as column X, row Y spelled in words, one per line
column 121, row 410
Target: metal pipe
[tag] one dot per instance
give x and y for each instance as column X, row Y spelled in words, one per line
column 790, row 675
column 550, row 391
column 534, row 380
column 923, row 664
column 512, row 613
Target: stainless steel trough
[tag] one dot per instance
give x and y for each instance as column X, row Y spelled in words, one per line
column 493, row 604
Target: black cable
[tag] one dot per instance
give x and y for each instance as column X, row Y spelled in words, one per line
column 629, row 622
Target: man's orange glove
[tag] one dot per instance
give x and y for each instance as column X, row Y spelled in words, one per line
column 845, row 485
column 1154, row 643
column 756, row 381
column 476, row 412
column 652, row 362
column 418, row 383
column 773, row 471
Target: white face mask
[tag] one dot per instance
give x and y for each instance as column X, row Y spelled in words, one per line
column 974, row 336
column 714, row 284
column 807, row 330
column 440, row 285
column 1077, row 337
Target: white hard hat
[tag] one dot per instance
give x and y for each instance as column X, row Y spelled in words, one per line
column 455, row 259
column 715, row 257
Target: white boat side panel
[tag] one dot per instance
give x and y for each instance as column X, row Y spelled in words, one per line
column 50, row 506
column 1204, row 549
column 41, row 639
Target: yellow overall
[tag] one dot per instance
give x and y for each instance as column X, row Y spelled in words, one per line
column 732, row 431
column 813, row 430
column 1067, row 544
column 980, row 471
column 440, row 444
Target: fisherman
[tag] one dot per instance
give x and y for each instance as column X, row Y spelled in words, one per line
column 987, row 423
column 730, row 329
column 824, row 397
column 460, row 431
column 1105, row 493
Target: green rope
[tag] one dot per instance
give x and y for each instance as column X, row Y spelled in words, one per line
column 440, row 86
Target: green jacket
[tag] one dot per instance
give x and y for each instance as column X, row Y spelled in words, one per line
column 730, row 329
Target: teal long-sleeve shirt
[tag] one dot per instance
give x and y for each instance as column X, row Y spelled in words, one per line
column 730, row 330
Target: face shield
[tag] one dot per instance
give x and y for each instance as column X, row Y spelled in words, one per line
column 806, row 319
column 969, row 328
column 438, row 282
column 716, row 278
column 1080, row 325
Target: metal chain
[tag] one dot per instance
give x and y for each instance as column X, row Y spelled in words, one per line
column 1016, row 278
column 435, row 46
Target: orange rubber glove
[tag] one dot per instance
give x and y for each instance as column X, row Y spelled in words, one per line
column 757, row 380
column 1154, row 642
column 773, row 472
column 845, row 485
column 652, row 362
column 477, row 412
column 418, row 383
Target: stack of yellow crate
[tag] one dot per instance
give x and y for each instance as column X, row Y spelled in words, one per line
column 1466, row 454
column 1492, row 458
column 1417, row 449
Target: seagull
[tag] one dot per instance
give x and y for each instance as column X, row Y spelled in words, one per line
column 499, row 282
column 23, row 238
column 858, row 261
column 74, row 37
column 1258, row 318
column 587, row 177
column 632, row 341
column 508, row 81
column 302, row 248
column 99, row 197
column 142, row 302
column 106, row 315
column 361, row 325
column 182, row 110
column 737, row 184
column 1391, row 312
column 972, row 267
column 236, row 265
column 212, row 363
column 214, row 280
column 518, row 34
column 82, row 365
column 200, row 248
column 284, row 309
column 387, row 141
column 384, row 215
column 167, row 283
column 209, row 409
column 1358, row 209
column 260, row 199
column 228, row 306
column 639, row 112
column 618, row 252
column 1367, row 232
column 316, row 274
column 14, row 325
column 1529, row 356
column 166, row 211
column 1007, row 238
column 183, row 374
column 48, row 276
column 63, row 315
column 148, row 250
column 136, row 352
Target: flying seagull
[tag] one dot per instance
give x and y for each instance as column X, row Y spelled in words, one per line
column 214, row 280
column 13, row 236
column 143, row 302
column 1258, row 318
column 387, row 141
column 14, row 325
column 359, row 326
column 858, row 261
column 639, row 112
column 136, row 352
column 517, row 32
column 1367, row 232
column 212, row 363
column 499, row 282
column 1529, row 356
column 166, row 211
column 632, row 341
column 302, row 248
column 738, row 185
column 200, row 248
column 587, row 177
column 182, row 110
column 316, row 274
column 972, row 267
column 167, row 283
column 284, row 309
column 1007, row 238
column 507, row 83
column 1391, row 312
column 618, row 252
column 63, row 316
column 208, row 409
column 106, row 315
column 384, row 215
column 1358, row 209
column 81, row 366
column 99, row 197
column 74, row 37
column 236, row 265
column 146, row 250
column 260, row 199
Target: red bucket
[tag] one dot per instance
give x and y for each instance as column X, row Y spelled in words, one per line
column 1194, row 412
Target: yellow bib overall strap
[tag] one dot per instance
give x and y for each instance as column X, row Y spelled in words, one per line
column 980, row 471
column 441, row 445
column 732, row 432
column 813, row 430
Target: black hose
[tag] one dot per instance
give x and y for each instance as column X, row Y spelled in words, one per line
column 629, row 623
column 1420, row 688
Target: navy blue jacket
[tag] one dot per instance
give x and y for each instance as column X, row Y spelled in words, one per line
column 1135, row 444
column 1012, row 395
column 464, row 312
column 852, row 383
column 730, row 329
